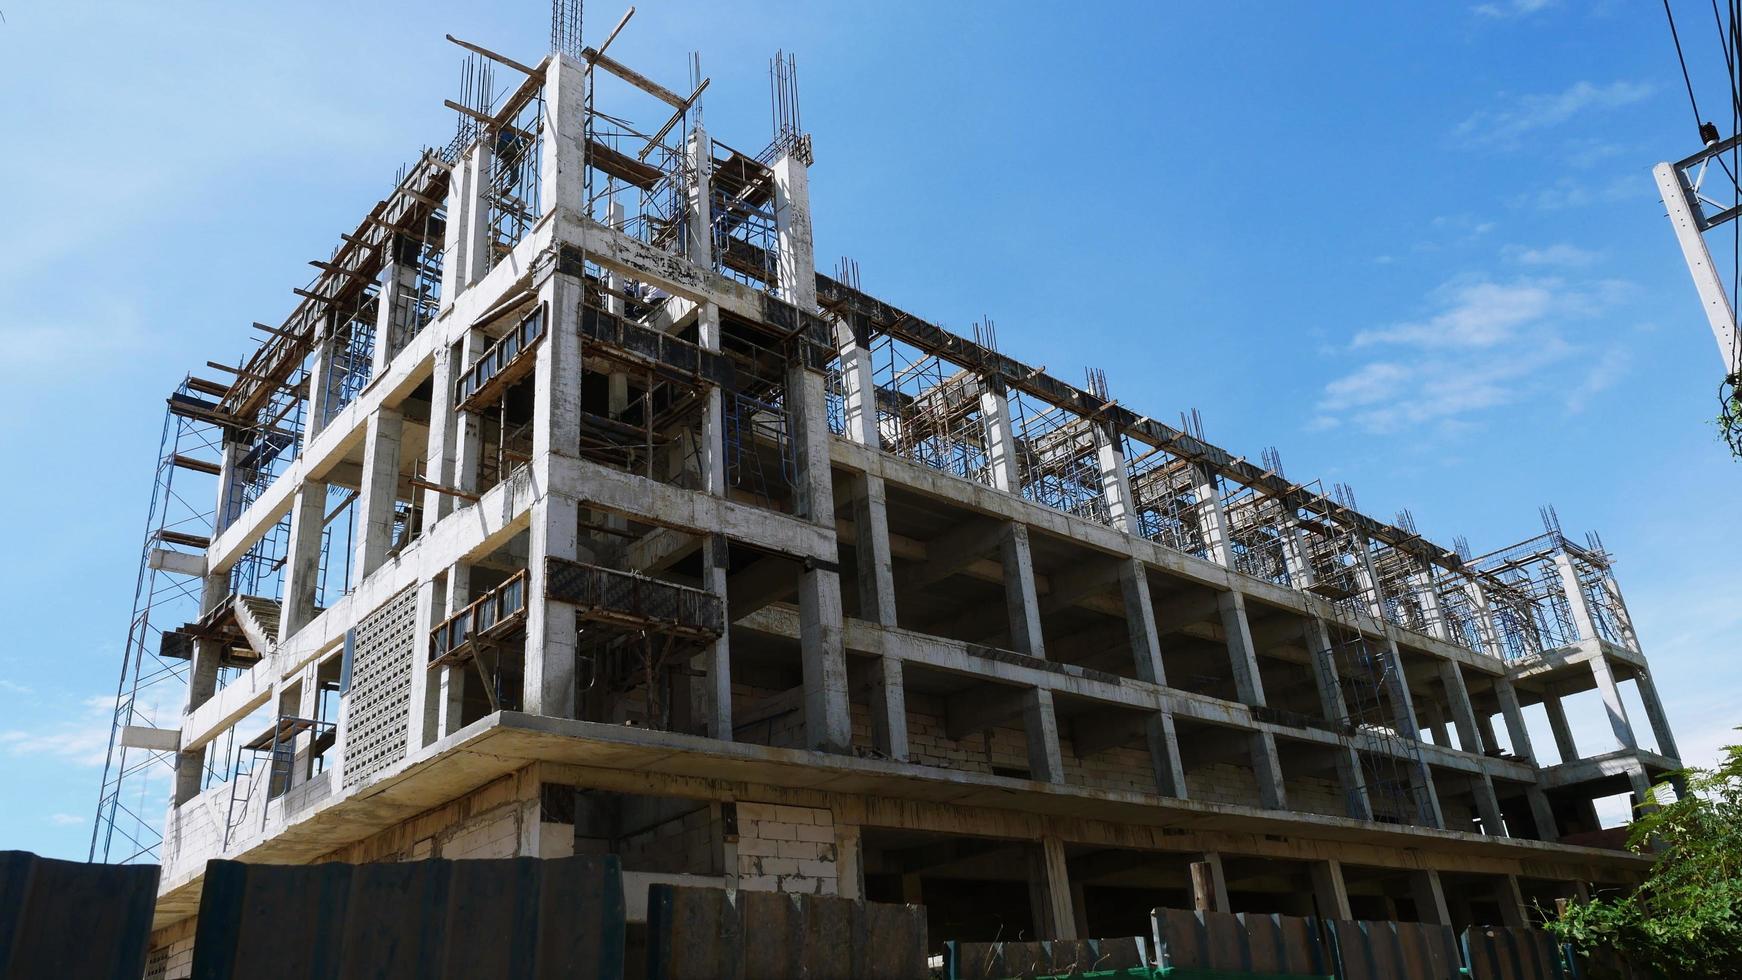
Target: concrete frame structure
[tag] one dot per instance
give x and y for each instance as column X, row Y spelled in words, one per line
column 660, row 549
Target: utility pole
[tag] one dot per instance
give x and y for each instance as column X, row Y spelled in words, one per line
column 1679, row 183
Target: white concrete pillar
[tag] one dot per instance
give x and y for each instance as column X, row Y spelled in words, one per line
column 828, row 718
column 1584, row 620
column 379, row 493
column 1267, row 771
column 556, row 375
column 1458, row 702
column 1335, row 709
column 1160, row 737
column 795, row 257
column 1021, row 600
column 1140, row 628
column 1655, row 715
column 468, row 427
column 1242, row 655
column 1513, row 911
column 1563, row 732
column 873, row 559
column 320, row 384
column 1517, row 732
column 1057, row 918
column 1211, row 516
column 1329, row 889
column 1488, row 636
column 1610, row 691
column 302, row 564
column 456, row 237
column 439, row 448
column 1430, row 897
column 229, row 505
column 1115, row 481
column 1001, row 456
column 550, row 682
column 480, row 159
column 421, row 713
column 1488, row 805
column 1540, row 811
column 1045, row 761
column 859, row 390
column 562, row 171
column 393, row 312
column 451, row 696
column 1427, row 596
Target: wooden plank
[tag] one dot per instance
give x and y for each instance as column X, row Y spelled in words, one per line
column 634, row 77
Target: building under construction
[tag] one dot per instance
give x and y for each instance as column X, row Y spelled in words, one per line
column 573, row 510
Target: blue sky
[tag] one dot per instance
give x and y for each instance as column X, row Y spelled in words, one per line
column 1415, row 247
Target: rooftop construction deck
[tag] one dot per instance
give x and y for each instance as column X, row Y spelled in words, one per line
column 571, row 509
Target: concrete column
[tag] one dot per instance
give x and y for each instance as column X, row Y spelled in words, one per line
column 1488, row 636
column 1336, row 709
column 1115, row 481
column 302, row 564
column 229, row 505
column 1210, row 884
column 421, row 712
column 1488, row 805
column 1329, row 889
column 556, row 374
column 379, row 492
column 1368, row 576
column 1242, row 655
column 456, row 241
column 889, row 709
column 873, row 560
column 1402, row 701
column 451, row 696
column 1655, row 715
column 1517, row 732
column 828, row 719
column 1294, row 555
column 1422, row 584
column 392, row 313
column 1640, row 786
column 1618, row 608
column 1583, row 618
column 479, row 160
column 716, row 661
column 859, row 390
column 1021, row 600
column 1430, row 897
column 1612, row 703
column 1511, row 901
column 550, row 682
column 320, row 383
column 1542, row 813
column 1140, row 628
column 1162, row 741
column 468, row 427
column 1001, row 458
column 1212, row 517
column 562, row 172
column 795, row 258
column 438, row 452
column 1458, row 701
column 1045, row 761
column 1563, row 732
column 1485, row 728
column 1050, row 889
column 1267, row 770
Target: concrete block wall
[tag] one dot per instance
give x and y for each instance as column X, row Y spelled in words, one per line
column 171, row 954
column 688, row 844
column 787, row 849
column 491, row 821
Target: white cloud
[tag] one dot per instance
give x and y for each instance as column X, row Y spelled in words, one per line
column 13, row 687
column 1599, row 377
column 1528, row 114
column 1512, row 8
column 65, row 819
column 1485, row 343
column 104, row 334
column 1477, row 314
column 1561, row 255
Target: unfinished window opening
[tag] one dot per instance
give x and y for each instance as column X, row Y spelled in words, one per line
column 929, row 409
column 974, row 889
column 745, row 232
column 486, row 640
column 1257, row 525
column 649, row 834
column 349, row 352
column 1533, row 614
column 1218, row 762
column 1057, row 460
column 966, row 723
column 636, row 638
column 1312, row 779
column 513, row 182
column 1459, row 611
column 415, row 279
column 1105, row 746
column 644, row 396
column 1165, row 492
column 760, row 455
